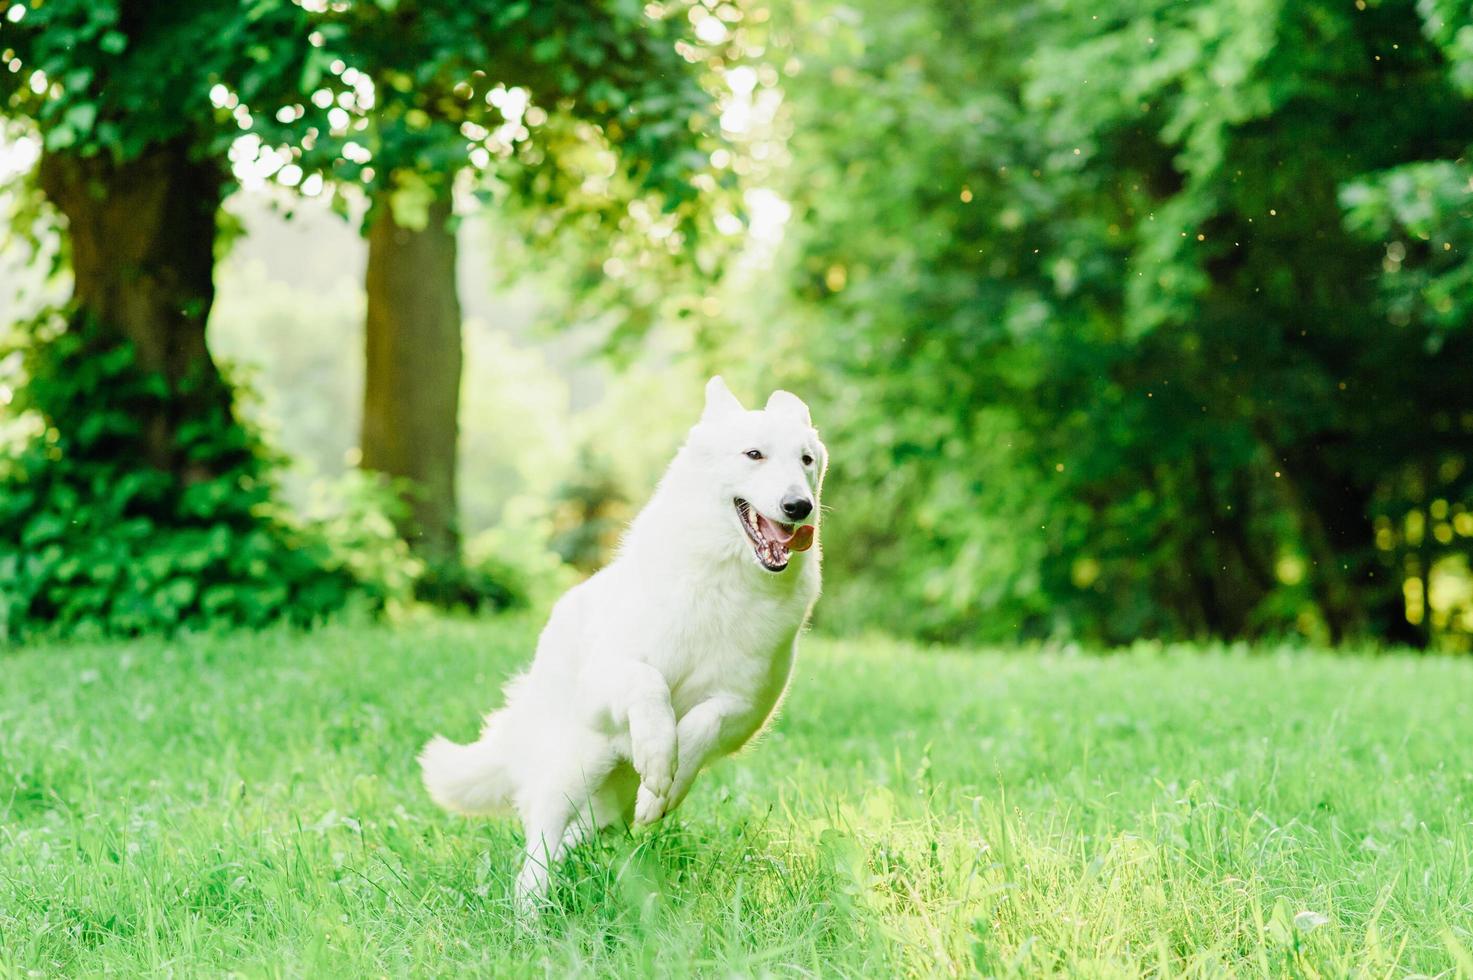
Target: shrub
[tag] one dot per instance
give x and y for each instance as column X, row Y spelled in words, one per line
column 94, row 540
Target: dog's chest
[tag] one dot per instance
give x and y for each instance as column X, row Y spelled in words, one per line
column 728, row 643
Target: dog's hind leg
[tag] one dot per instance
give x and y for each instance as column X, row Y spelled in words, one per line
column 558, row 816
column 546, row 829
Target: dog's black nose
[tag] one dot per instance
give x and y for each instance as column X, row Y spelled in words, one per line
column 797, row 508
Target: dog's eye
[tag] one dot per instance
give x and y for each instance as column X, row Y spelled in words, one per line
column 807, row 460
column 753, row 454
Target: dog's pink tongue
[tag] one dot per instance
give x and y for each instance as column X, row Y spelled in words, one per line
column 773, row 531
column 800, row 538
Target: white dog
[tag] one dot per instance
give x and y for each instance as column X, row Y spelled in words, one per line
column 675, row 654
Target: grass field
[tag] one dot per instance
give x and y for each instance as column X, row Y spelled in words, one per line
column 250, row 803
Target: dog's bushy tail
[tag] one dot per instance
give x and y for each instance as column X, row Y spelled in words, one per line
column 471, row 779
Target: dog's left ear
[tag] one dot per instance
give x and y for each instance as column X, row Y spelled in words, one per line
column 787, row 403
column 719, row 400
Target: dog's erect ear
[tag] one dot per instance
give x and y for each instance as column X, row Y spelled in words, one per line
column 787, row 403
column 719, row 400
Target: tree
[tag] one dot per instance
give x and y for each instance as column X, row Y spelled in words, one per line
column 136, row 138
column 570, row 108
column 1149, row 383
column 132, row 160
column 1419, row 217
column 411, row 391
column 140, row 502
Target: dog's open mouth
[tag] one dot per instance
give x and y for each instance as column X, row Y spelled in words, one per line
column 773, row 541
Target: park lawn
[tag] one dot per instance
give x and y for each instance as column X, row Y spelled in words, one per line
column 249, row 803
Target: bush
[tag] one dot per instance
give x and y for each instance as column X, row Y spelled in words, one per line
column 356, row 515
column 518, row 555
column 93, row 540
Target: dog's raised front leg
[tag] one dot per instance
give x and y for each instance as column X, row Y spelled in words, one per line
column 639, row 697
column 698, row 736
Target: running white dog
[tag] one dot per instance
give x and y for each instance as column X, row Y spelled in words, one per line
column 675, row 654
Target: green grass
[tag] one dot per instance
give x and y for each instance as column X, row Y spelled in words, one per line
column 250, row 803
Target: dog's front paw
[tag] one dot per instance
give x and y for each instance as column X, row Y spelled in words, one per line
column 654, row 760
column 648, row 807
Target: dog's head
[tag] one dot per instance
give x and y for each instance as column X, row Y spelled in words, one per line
column 766, row 466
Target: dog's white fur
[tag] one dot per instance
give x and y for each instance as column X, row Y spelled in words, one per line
column 675, row 654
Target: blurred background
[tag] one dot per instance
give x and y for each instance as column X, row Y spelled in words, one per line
column 1140, row 322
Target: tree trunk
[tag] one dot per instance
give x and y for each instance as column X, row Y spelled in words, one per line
column 411, row 392
column 142, row 237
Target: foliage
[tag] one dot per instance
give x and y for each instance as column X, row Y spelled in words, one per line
column 250, row 804
column 108, row 77
column 1148, row 320
column 1128, row 370
column 394, row 97
column 143, row 504
column 434, row 87
column 586, row 125
column 590, row 512
column 488, row 585
column 354, row 514
column 91, row 542
column 518, row 553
